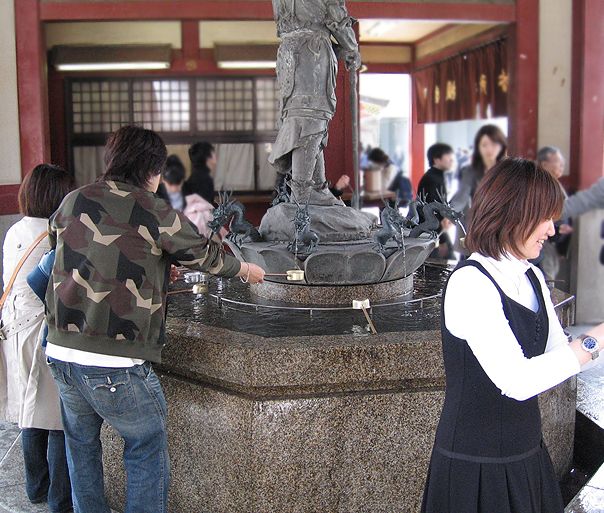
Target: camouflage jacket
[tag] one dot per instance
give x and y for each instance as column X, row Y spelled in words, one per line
column 114, row 246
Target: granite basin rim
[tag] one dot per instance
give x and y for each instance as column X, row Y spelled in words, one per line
column 308, row 294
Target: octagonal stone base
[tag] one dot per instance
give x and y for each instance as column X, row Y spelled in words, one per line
column 307, row 424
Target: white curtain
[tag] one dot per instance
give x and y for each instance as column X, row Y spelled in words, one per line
column 266, row 172
column 234, row 170
column 88, row 163
column 235, row 167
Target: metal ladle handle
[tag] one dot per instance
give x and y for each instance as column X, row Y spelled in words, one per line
column 291, row 275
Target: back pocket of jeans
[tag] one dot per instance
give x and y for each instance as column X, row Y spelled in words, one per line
column 111, row 393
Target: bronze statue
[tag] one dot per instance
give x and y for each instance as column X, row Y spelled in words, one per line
column 233, row 212
column 305, row 240
column 306, row 71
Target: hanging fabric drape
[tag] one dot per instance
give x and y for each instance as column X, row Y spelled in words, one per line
column 470, row 85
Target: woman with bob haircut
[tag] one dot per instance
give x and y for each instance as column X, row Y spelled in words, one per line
column 28, row 394
column 502, row 346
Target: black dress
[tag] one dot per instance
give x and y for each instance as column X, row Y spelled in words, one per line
column 488, row 455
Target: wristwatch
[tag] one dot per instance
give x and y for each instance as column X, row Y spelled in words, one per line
column 590, row 344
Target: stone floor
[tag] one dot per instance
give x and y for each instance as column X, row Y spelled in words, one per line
column 12, row 475
column 591, row 497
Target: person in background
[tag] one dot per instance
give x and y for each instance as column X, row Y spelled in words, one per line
column 106, row 307
column 433, row 187
column 198, row 210
column 490, row 146
column 172, row 181
column 403, row 188
column 551, row 159
column 364, row 159
column 502, row 346
column 380, row 160
column 463, row 159
column 399, row 157
column 338, row 188
column 203, row 167
column 584, row 201
column 28, row 394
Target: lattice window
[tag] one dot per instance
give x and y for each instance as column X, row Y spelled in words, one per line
column 267, row 104
column 99, row 106
column 225, row 105
column 161, row 105
column 238, row 114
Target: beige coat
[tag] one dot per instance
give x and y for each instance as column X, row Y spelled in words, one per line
column 28, row 393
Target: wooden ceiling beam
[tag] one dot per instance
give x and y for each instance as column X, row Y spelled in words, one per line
column 262, row 10
column 156, row 10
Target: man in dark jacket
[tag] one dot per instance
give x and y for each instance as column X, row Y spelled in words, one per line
column 203, row 167
column 433, row 187
column 115, row 241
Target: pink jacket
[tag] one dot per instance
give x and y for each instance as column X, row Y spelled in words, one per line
column 199, row 212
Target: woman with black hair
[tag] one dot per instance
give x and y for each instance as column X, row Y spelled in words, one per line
column 203, row 166
column 172, row 183
column 490, row 146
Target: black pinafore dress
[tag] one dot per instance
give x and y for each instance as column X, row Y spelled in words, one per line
column 488, row 454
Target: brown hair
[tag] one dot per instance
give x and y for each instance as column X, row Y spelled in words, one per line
column 43, row 190
column 494, row 133
column 134, row 155
column 509, row 204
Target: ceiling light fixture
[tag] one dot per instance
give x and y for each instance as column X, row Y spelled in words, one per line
column 246, row 56
column 247, row 64
column 110, row 58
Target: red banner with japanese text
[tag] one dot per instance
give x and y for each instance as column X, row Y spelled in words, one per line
column 470, row 85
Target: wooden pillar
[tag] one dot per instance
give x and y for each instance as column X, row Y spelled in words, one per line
column 587, row 100
column 338, row 158
column 416, row 167
column 524, row 80
column 32, row 84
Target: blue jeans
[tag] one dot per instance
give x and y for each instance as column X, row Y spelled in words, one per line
column 132, row 401
column 46, row 473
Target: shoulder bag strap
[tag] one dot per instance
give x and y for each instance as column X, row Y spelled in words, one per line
column 9, row 286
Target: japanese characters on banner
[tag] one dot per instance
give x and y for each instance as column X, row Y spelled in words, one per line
column 469, row 85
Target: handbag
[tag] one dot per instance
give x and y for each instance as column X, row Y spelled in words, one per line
column 18, row 324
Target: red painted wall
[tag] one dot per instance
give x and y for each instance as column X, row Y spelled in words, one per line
column 31, row 82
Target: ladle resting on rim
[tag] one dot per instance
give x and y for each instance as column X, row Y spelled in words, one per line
column 291, row 275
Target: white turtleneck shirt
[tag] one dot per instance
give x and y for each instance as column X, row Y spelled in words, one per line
column 474, row 313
